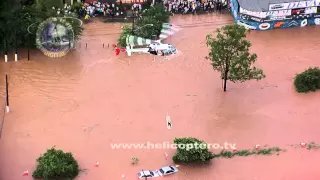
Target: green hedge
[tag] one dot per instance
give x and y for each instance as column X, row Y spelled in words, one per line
column 191, row 155
column 56, row 164
column 308, row 80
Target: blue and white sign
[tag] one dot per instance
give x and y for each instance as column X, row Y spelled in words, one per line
column 279, row 17
column 294, row 5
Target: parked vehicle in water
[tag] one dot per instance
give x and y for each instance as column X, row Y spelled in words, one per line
column 167, row 170
column 145, row 174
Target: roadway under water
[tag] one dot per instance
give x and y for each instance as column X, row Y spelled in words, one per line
column 91, row 98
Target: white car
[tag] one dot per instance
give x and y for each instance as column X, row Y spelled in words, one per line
column 167, row 170
column 145, row 174
column 247, row 26
column 277, row 6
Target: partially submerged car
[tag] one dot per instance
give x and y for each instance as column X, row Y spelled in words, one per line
column 145, row 174
column 167, row 170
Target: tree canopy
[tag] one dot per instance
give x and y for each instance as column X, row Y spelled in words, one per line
column 155, row 15
column 17, row 15
column 56, row 164
column 309, row 80
column 229, row 54
column 200, row 152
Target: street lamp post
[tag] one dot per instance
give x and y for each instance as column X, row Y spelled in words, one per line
column 28, row 47
column 132, row 9
column 132, row 31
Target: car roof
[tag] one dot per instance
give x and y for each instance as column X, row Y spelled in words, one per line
column 164, row 45
column 166, row 168
column 145, row 172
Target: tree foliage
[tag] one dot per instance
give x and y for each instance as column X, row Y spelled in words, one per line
column 51, row 3
column 155, row 15
column 56, row 164
column 309, row 80
column 77, row 6
column 8, row 20
column 17, row 15
column 141, row 30
column 126, row 30
column 191, row 155
column 229, row 54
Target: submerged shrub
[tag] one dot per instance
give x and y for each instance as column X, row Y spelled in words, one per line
column 185, row 155
column 309, row 80
column 56, row 164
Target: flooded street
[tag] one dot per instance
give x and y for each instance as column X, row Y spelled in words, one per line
column 91, row 98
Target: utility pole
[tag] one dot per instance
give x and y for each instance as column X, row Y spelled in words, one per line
column 132, row 31
column 16, row 48
column 6, row 51
column 28, row 47
column 133, row 16
column 7, row 95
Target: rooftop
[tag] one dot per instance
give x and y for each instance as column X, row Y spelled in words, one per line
column 261, row 5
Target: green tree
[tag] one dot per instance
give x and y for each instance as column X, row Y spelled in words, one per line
column 144, row 30
column 8, row 10
column 183, row 154
column 56, row 164
column 71, row 15
column 76, row 6
column 51, row 3
column 309, row 80
column 158, row 12
column 156, row 16
column 17, row 15
column 126, row 30
column 229, row 54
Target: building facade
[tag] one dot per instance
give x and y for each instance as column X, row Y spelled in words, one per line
column 281, row 15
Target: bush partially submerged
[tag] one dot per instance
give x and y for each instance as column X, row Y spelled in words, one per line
column 191, row 155
column 56, row 164
column 308, row 80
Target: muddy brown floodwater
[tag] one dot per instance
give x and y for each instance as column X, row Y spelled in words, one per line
column 91, row 98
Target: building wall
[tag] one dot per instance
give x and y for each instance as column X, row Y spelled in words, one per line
column 295, row 21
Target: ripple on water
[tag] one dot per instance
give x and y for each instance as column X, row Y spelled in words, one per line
column 50, row 84
column 93, row 64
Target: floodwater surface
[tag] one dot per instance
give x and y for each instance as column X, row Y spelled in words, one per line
column 91, row 98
